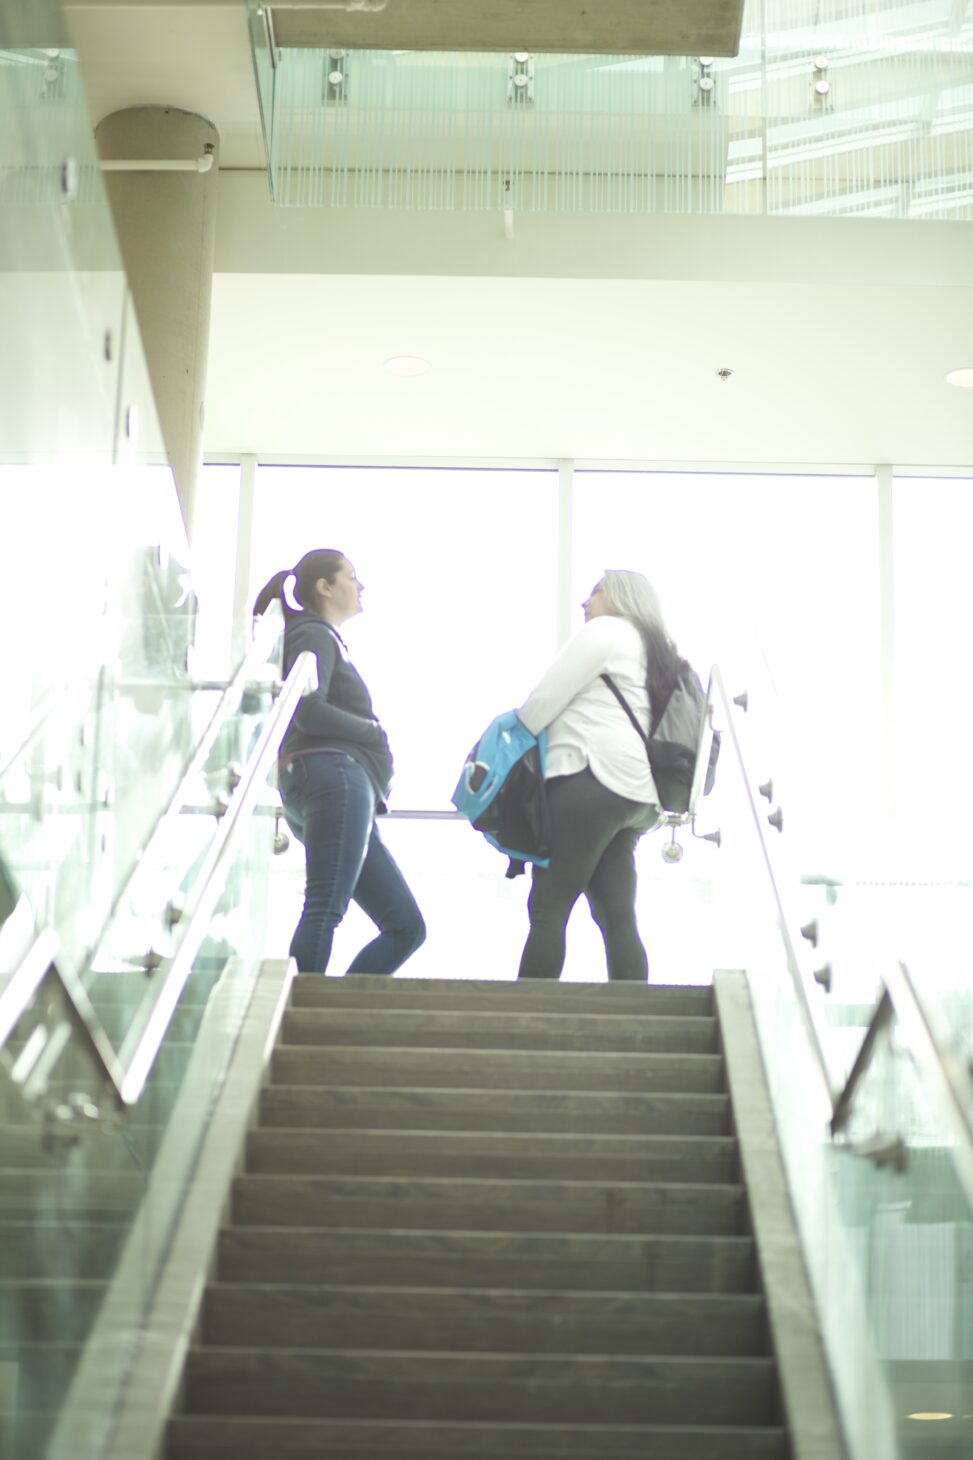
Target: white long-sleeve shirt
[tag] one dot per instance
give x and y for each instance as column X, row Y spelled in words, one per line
column 586, row 726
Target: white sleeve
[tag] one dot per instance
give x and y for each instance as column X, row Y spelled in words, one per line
column 579, row 662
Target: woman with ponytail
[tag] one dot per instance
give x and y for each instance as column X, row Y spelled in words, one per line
column 334, row 773
column 600, row 792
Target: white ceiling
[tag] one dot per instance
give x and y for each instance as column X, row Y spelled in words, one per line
column 828, row 366
column 589, row 368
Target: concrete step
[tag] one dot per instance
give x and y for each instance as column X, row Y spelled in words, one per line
column 196, row 1437
column 46, row 1248
column 543, row 1261
column 477, row 1205
column 479, row 1029
column 467, row 1320
column 379, row 1066
column 508, row 1387
column 615, row 1112
column 310, row 990
column 493, row 1155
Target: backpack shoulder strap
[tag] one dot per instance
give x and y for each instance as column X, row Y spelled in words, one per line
column 627, row 708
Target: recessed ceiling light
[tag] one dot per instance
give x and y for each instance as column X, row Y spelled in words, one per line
column 407, row 365
column 963, row 377
column 931, row 1414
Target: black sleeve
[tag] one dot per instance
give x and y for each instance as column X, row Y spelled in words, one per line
column 315, row 716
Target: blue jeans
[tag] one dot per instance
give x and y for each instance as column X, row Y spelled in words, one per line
column 329, row 804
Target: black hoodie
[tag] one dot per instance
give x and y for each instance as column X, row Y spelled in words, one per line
column 338, row 715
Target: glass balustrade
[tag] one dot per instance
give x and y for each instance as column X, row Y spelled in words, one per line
column 99, row 711
column 89, row 1195
column 907, row 1228
column 885, row 1225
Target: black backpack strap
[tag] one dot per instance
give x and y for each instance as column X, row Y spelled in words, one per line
column 628, row 709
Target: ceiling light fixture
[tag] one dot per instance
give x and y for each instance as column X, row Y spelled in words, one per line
column 962, row 377
column 931, row 1414
column 822, row 87
column 407, row 365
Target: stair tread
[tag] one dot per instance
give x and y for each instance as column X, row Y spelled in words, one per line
column 438, row 1235
column 514, row 1294
column 572, row 1070
column 460, row 989
column 364, row 1358
column 488, row 1051
column 533, row 1029
column 527, row 1183
column 525, row 1139
column 479, row 1440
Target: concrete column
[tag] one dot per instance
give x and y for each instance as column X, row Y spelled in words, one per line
column 166, row 228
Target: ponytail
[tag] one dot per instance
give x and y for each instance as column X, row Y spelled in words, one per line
column 318, row 563
column 272, row 589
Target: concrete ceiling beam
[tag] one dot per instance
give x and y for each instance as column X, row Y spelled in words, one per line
column 606, row 27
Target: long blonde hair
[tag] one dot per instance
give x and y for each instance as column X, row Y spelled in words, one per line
column 631, row 596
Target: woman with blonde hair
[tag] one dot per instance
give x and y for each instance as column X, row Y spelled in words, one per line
column 600, row 792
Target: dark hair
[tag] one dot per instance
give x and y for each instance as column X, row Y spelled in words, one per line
column 318, row 563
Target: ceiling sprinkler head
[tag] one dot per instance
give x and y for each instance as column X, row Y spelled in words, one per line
column 724, row 373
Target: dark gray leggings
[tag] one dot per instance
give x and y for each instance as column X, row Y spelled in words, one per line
column 592, row 852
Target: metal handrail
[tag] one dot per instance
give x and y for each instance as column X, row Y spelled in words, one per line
column 946, row 1075
column 36, row 721
column 266, row 634
column 144, row 1038
column 126, row 1073
column 19, row 989
column 803, row 983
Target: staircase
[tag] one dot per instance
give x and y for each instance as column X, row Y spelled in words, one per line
column 487, row 1221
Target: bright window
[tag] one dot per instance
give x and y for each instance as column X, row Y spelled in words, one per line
column 933, row 529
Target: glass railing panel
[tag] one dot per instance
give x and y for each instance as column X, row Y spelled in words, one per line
column 907, row 1227
column 863, row 110
column 264, row 55
column 85, row 1227
column 78, row 802
column 145, row 926
column 883, row 1313
column 94, row 556
column 60, row 272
